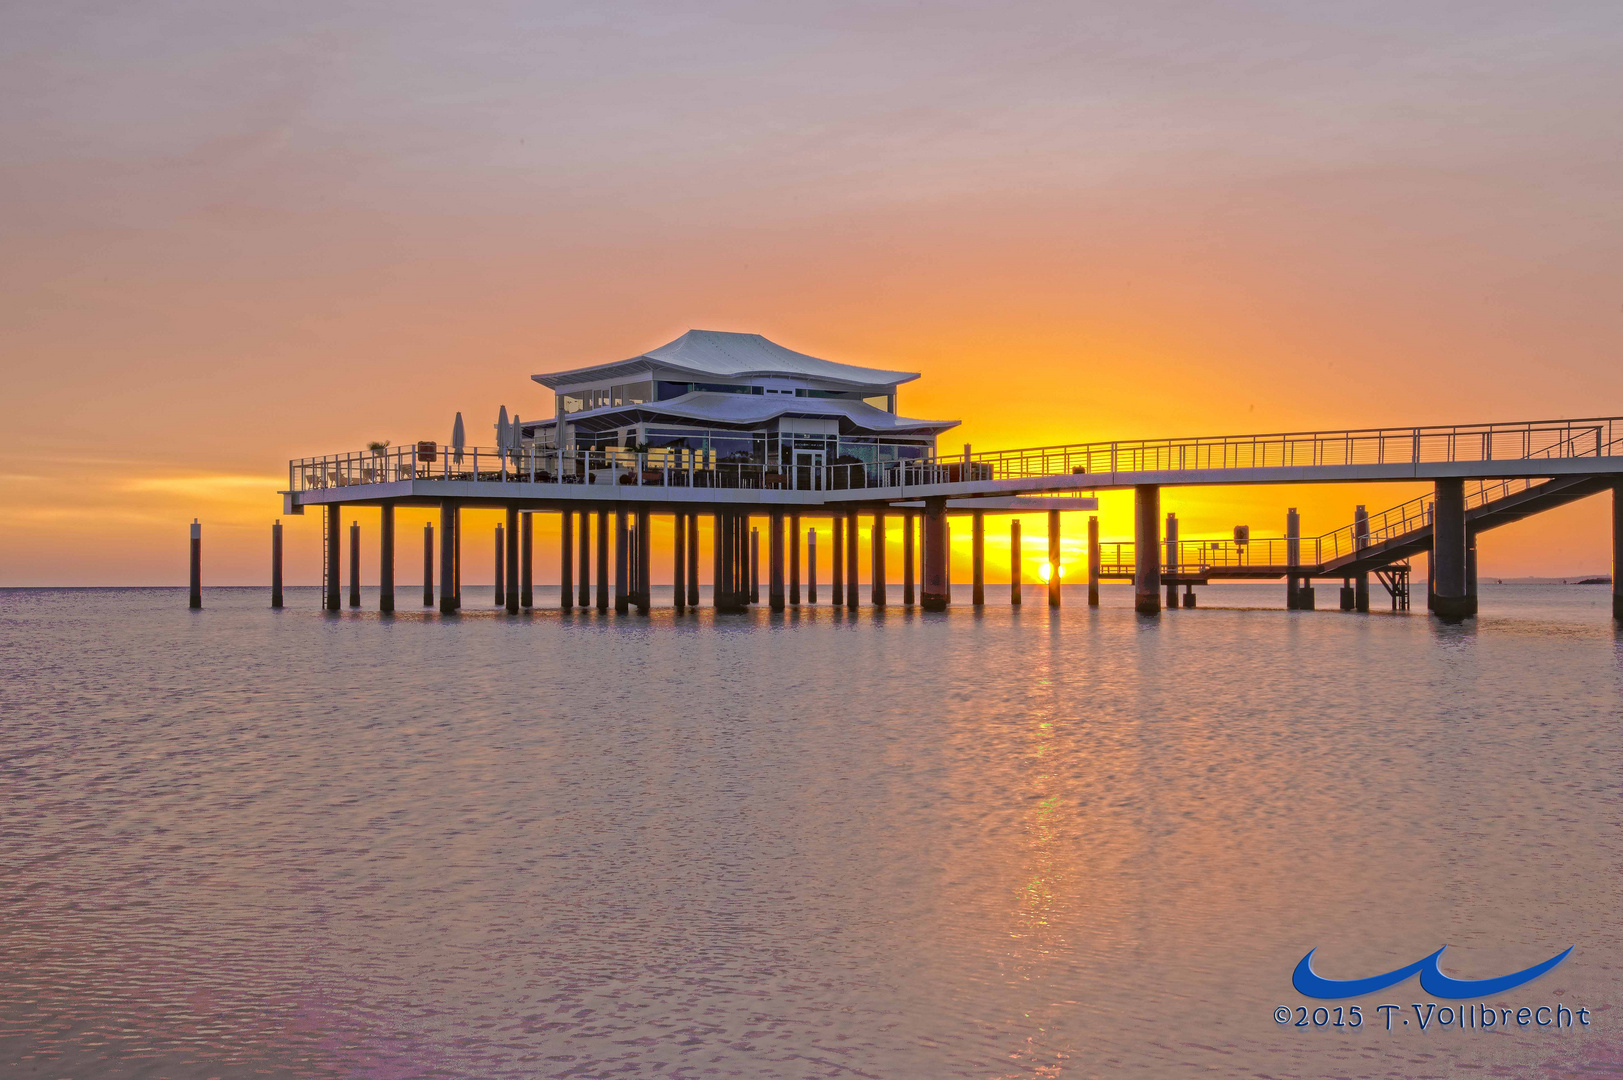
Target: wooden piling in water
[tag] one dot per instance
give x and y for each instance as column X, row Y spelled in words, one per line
column 585, row 585
column 428, row 564
column 645, row 551
column 276, row 565
column 194, row 599
column 498, row 564
column 1147, row 549
column 355, row 564
column 526, row 561
column 622, row 568
column 330, row 586
column 602, row 560
column 908, row 570
column 693, row 562
column 511, row 556
column 755, row 566
column 1172, row 560
column 1053, row 559
column 811, row 566
column 1014, row 562
column 851, row 560
column 837, row 578
column 935, row 596
column 447, row 557
column 1093, row 561
column 566, row 560
column 977, row 558
column 386, row 558
column 876, row 542
column 794, row 560
column 775, row 561
column 679, row 546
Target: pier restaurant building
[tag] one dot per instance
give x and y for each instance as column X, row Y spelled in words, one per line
column 714, row 399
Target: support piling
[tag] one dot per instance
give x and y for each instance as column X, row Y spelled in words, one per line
column 977, row 559
column 877, row 546
column 851, row 560
column 428, row 564
column 333, row 555
column 1053, row 559
column 194, row 598
column 1093, row 560
column 447, row 557
column 775, row 589
column 934, row 590
column 908, row 571
column 386, row 558
column 276, row 565
column 1147, row 549
column 510, row 575
column 1014, row 562
column 794, row 560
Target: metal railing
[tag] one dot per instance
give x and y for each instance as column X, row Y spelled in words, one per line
column 662, row 467
column 1390, row 524
column 676, row 467
column 1533, row 440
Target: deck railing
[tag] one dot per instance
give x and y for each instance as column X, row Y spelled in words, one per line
column 674, row 467
column 662, row 467
column 1390, row 524
column 1539, row 439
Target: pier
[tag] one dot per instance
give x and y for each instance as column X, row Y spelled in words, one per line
column 741, row 432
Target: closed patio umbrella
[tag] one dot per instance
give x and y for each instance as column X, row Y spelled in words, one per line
column 503, row 430
column 459, row 439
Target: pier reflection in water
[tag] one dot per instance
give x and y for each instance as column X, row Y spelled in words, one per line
column 1069, row 842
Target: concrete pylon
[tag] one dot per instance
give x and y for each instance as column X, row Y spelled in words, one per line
column 512, row 559
column 838, row 575
column 194, row 598
column 566, row 560
column 1449, row 550
column 1361, row 540
column 333, row 555
column 428, row 564
column 876, row 542
column 693, row 561
column 622, row 564
column 851, row 560
column 935, row 596
column 1172, row 560
column 447, row 557
column 276, row 566
column 1054, row 578
column 679, row 562
column 386, row 558
column 645, row 552
column 1617, row 552
column 811, row 566
column 602, row 596
column 526, row 562
column 355, row 564
column 1293, row 559
column 977, row 558
column 1014, row 562
column 1147, row 549
column 501, row 579
column 794, row 560
column 1093, row 561
column 775, row 562
column 909, row 571
column 584, row 586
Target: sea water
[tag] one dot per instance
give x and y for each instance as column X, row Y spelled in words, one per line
column 1005, row 842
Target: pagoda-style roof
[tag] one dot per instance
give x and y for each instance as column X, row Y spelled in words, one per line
column 701, row 355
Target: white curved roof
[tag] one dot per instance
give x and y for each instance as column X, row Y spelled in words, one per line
column 720, row 354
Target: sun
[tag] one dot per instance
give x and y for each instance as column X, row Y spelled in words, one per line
column 1042, row 571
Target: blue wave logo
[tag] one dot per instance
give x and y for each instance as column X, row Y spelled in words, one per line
column 1310, row 984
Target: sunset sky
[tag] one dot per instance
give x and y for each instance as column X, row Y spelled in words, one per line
column 235, row 234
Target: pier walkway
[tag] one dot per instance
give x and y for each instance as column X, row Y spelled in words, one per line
column 1484, row 476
